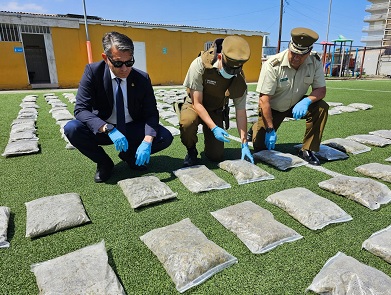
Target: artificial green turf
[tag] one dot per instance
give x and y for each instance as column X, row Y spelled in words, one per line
column 287, row 269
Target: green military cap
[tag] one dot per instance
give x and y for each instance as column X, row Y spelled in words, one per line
column 302, row 40
column 235, row 50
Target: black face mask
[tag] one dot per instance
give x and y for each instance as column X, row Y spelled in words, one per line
column 231, row 70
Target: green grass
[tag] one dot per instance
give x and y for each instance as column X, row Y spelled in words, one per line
column 288, row 269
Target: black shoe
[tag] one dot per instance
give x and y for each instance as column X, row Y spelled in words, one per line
column 191, row 157
column 103, row 171
column 131, row 163
column 309, row 156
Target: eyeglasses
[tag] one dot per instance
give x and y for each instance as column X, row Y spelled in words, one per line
column 118, row 63
column 231, row 70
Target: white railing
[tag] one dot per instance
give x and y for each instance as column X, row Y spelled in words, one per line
column 378, row 6
column 372, row 38
column 373, row 17
column 373, row 28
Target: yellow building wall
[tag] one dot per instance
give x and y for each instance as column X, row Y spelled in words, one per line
column 70, row 53
column 13, row 70
column 162, row 68
column 168, row 53
column 193, row 43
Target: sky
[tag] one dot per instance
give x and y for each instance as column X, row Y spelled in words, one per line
column 346, row 16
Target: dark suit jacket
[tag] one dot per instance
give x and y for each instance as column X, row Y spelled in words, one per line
column 95, row 98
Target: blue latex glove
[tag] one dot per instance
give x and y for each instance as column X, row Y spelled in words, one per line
column 246, row 152
column 220, row 134
column 143, row 153
column 301, row 108
column 119, row 140
column 270, row 139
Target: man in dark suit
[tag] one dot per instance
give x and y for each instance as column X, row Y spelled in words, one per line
column 115, row 104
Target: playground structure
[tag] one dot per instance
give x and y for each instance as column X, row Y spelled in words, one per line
column 338, row 58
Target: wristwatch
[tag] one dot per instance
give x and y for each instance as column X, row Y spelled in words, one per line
column 269, row 129
column 109, row 128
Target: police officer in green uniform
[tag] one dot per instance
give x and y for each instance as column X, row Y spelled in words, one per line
column 283, row 83
column 213, row 77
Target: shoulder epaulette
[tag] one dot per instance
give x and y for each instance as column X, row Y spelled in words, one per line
column 207, row 58
column 275, row 62
column 315, row 54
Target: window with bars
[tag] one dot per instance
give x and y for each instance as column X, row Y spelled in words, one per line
column 207, row 45
column 10, row 32
column 34, row 29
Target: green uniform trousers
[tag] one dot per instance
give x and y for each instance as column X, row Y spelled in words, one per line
column 188, row 126
column 316, row 118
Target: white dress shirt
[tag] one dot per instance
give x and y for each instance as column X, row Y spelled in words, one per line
column 113, row 118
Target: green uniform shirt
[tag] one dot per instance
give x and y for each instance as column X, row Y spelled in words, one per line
column 194, row 81
column 284, row 84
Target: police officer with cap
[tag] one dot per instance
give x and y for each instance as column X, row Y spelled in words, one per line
column 283, row 83
column 213, row 78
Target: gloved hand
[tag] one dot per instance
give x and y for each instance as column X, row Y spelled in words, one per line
column 246, row 152
column 143, row 153
column 220, row 134
column 301, row 108
column 119, row 140
column 270, row 139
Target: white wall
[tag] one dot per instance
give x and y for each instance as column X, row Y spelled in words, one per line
column 140, row 56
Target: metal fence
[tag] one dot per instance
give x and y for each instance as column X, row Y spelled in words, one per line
column 9, row 32
column 12, row 33
column 353, row 61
